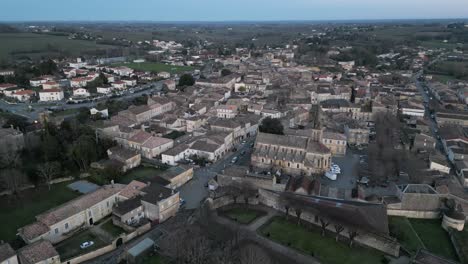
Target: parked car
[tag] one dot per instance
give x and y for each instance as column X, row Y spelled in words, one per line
column 86, row 244
column 242, row 153
column 181, row 201
column 330, row 175
column 234, row 160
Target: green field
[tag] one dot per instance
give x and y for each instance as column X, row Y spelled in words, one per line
column 243, row 215
column 37, row 45
column 157, row 67
column 16, row 213
column 435, row 238
column 325, row 249
column 401, row 229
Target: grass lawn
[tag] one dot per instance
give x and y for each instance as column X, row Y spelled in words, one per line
column 66, row 112
column 325, row 249
column 70, row 247
column 243, row 215
column 16, row 213
column 140, row 173
column 435, row 238
column 461, row 239
column 112, row 229
column 401, row 229
column 157, row 67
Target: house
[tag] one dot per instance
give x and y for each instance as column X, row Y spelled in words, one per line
column 37, row 82
column 103, row 112
column 129, row 158
column 226, row 111
column 177, row 176
column 423, row 141
column 56, row 224
column 7, row 72
column 120, row 85
column 78, row 82
column 170, row 85
column 81, row 92
column 159, row 203
column 40, row 252
column 149, row 146
column 336, row 142
column 357, row 133
column 129, row 82
column 24, row 95
column 409, row 108
column 164, row 75
column 51, row 95
column 50, row 85
column 452, row 118
column 104, row 89
column 5, row 86
column 7, row 254
column 123, row 71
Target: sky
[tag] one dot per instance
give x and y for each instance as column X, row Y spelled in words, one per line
column 228, row 10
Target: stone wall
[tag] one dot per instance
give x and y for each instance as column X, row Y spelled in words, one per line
column 414, row 214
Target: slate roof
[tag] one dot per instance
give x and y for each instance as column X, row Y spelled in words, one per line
column 127, row 206
column 155, row 193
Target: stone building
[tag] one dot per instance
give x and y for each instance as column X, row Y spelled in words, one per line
column 292, row 154
column 40, row 252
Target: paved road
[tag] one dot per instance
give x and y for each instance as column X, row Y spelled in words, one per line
column 23, row 109
column 196, row 191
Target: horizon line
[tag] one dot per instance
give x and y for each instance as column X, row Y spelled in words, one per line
column 235, row 21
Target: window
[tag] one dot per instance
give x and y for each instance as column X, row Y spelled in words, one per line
column 107, row 204
column 66, row 225
column 56, row 230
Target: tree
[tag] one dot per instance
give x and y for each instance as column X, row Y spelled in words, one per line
column 285, row 202
column 242, row 89
column 48, row 171
column 324, row 222
column 352, row 236
column 298, row 210
column 186, row 80
column 338, row 229
column 83, row 151
column 272, row 126
column 225, row 72
column 9, row 163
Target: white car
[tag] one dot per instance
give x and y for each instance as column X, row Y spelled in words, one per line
column 86, row 244
column 330, row 175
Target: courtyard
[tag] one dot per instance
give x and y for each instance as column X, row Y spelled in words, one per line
column 242, row 215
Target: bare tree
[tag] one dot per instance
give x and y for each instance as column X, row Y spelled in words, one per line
column 9, row 162
column 324, row 222
column 285, row 202
column 48, row 171
column 187, row 245
column 352, row 236
column 253, row 254
column 338, row 229
column 298, row 210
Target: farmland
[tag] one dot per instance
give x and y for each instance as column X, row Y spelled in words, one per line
column 17, row 45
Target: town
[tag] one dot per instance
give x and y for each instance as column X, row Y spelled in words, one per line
column 320, row 143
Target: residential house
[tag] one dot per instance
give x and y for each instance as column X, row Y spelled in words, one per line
column 226, row 111
column 177, row 176
column 336, row 142
column 159, row 203
column 24, row 95
column 81, row 92
column 104, row 112
column 170, row 85
column 357, row 133
column 119, row 85
column 5, row 86
column 149, row 146
column 129, row 158
column 105, row 89
column 50, row 85
column 51, row 95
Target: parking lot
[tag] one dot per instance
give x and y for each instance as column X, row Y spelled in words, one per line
column 349, row 171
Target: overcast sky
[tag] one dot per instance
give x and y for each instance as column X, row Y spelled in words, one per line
column 230, row 10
